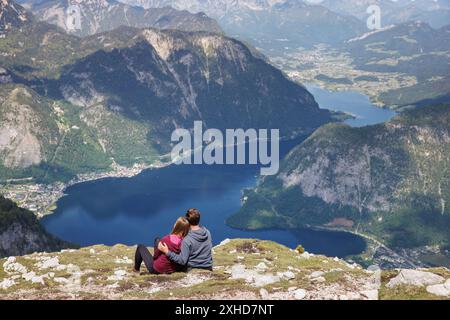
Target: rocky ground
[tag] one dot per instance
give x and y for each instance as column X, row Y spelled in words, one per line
column 244, row 269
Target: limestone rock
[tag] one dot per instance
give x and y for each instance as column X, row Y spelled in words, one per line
column 440, row 289
column 415, row 278
column 48, row 263
column 6, row 283
column 105, row 276
column 288, row 275
column 299, row 294
column 370, row 294
column 317, row 274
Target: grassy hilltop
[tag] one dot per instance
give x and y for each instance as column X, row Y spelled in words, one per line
column 243, row 269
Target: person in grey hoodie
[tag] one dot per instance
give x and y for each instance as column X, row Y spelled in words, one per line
column 196, row 248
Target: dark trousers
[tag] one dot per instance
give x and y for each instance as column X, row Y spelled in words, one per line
column 142, row 254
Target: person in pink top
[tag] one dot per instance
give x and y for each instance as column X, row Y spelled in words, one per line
column 159, row 263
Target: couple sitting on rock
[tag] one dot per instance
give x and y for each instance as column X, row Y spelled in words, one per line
column 188, row 246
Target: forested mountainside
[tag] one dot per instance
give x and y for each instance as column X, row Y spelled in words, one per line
column 118, row 95
column 271, row 24
column 412, row 49
column 390, row 180
column 21, row 233
column 436, row 12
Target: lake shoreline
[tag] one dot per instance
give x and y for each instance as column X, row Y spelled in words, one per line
column 311, row 228
column 359, row 106
column 132, row 190
column 53, row 192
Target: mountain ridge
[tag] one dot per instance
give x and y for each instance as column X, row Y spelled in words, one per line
column 264, row 23
column 389, row 180
column 104, row 15
column 412, row 49
column 151, row 81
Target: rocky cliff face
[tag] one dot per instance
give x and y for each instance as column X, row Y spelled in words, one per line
column 435, row 12
column 21, row 233
column 271, row 24
column 173, row 78
column 12, row 16
column 243, row 269
column 19, row 143
column 103, row 15
column 390, row 179
column 413, row 49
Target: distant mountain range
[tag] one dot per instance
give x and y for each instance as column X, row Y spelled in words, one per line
column 391, row 180
column 434, row 12
column 104, row 15
column 412, row 43
column 412, row 48
column 271, row 24
column 69, row 104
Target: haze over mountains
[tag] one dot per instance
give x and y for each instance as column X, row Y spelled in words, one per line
column 265, row 23
column 412, row 49
column 434, row 12
column 104, row 15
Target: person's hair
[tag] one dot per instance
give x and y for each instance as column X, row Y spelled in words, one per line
column 181, row 226
column 193, row 216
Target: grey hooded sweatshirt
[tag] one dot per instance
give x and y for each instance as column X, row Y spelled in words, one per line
column 195, row 250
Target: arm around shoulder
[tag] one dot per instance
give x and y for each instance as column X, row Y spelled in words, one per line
column 182, row 257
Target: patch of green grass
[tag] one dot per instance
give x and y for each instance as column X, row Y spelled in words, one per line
column 406, row 292
column 206, row 288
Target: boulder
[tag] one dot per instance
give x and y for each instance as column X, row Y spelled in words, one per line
column 299, row 294
column 6, row 283
column 442, row 290
column 415, row 278
column 319, row 279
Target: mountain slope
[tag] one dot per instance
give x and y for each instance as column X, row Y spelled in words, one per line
column 144, row 82
column 391, row 180
column 51, row 140
column 12, row 16
column 291, row 24
column 435, row 13
column 21, row 233
column 412, row 49
column 104, row 15
column 186, row 77
column 271, row 24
